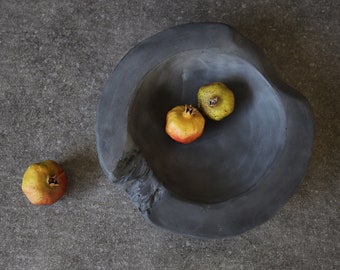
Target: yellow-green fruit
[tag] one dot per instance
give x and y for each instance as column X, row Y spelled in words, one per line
column 216, row 100
column 44, row 183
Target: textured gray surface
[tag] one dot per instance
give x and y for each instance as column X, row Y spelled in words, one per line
column 55, row 58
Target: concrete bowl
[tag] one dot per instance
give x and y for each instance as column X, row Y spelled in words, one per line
column 241, row 170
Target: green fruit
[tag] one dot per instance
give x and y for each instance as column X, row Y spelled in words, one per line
column 216, row 100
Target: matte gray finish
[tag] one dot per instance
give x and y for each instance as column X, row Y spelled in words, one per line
column 241, row 170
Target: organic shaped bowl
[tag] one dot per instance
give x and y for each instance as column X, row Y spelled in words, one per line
column 241, row 170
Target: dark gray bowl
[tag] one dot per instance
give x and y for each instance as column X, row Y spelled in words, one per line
column 241, row 170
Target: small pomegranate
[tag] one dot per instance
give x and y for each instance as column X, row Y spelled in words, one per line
column 216, row 100
column 184, row 124
column 44, row 183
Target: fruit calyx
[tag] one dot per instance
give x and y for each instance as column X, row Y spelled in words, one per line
column 52, row 181
column 213, row 101
column 189, row 111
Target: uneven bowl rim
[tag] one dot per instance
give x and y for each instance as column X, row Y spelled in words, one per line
column 160, row 206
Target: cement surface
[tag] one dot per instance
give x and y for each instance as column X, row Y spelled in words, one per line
column 55, row 58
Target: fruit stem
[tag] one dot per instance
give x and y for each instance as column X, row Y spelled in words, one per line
column 52, row 181
column 213, row 101
column 188, row 111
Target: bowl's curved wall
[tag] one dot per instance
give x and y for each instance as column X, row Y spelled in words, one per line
column 232, row 154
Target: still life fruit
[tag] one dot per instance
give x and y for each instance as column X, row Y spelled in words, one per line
column 184, row 124
column 44, row 183
column 216, row 100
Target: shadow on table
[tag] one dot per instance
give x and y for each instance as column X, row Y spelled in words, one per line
column 82, row 169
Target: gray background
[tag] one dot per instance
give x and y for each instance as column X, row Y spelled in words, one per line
column 55, row 57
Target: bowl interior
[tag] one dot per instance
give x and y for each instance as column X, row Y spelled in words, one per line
column 232, row 155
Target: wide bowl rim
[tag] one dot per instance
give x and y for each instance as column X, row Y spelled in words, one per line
column 166, row 209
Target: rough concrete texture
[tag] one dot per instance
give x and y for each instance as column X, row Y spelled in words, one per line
column 55, row 58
